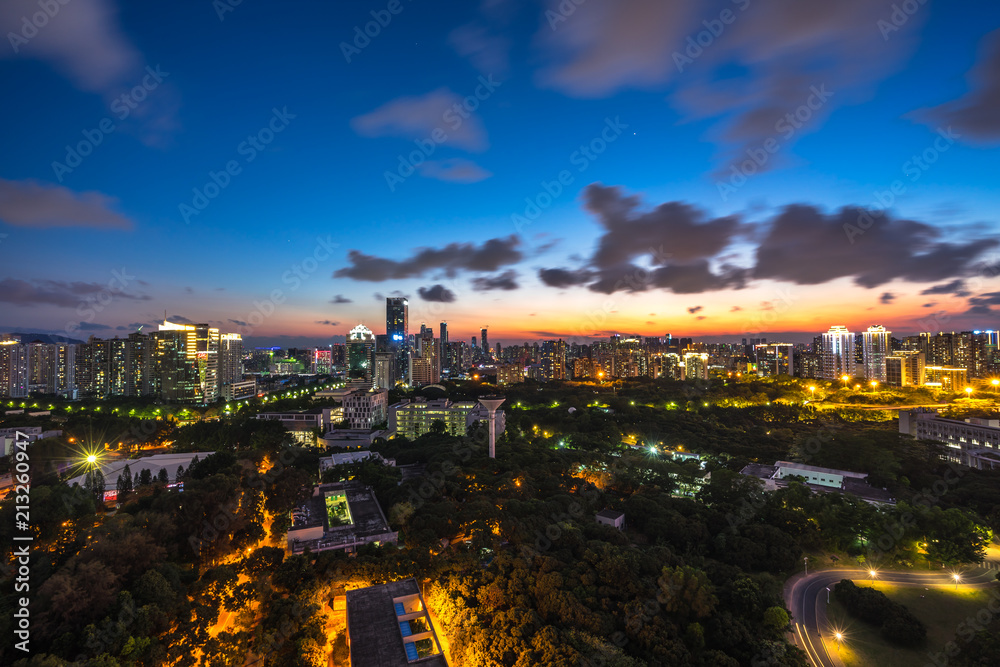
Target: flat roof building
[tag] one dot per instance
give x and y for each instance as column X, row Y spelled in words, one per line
column 341, row 515
column 388, row 626
column 412, row 419
column 970, row 442
column 818, row 479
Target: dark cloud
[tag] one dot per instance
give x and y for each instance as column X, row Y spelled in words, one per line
column 808, row 247
column 701, row 317
column 956, row 287
column 696, row 309
column 45, row 205
column 240, row 323
column 438, row 293
column 693, row 278
column 189, row 290
column 676, row 247
column 982, row 304
column 929, row 305
column 91, row 326
column 379, row 296
column 340, row 299
column 180, row 319
column 504, row 281
column 735, row 309
column 328, row 323
column 560, row 277
column 673, row 231
column 676, row 239
column 488, row 257
column 978, row 112
column 887, row 298
column 57, row 292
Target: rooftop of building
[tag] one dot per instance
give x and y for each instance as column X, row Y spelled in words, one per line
column 375, row 632
column 367, row 518
column 828, row 471
column 613, row 515
column 111, row 469
column 759, row 470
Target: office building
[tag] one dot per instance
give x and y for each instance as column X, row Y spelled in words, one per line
column 397, row 320
column 411, row 419
column 972, row 442
column 365, row 408
column 361, row 354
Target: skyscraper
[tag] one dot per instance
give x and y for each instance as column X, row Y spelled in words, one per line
column 876, row 346
column 486, row 344
column 361, row 354
column 397, row 320
column 443, row 344
column 230, row 359
column 838, row 353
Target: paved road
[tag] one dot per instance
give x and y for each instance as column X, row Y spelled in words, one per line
column 806, row 598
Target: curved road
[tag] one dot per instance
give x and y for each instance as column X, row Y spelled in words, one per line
column 806, row 598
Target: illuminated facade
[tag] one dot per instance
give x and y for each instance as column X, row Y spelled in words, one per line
column 361, row 354
column 876, row 346
column 838, row 353
column 774, row 359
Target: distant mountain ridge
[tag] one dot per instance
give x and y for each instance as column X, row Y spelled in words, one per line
column 44, row 338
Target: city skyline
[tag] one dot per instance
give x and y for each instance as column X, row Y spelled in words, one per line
column 584, row 168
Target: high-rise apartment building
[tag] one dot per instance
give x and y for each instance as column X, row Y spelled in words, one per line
column 231, row 360
column 838, row 353
column 774, row 359
column 876, row 346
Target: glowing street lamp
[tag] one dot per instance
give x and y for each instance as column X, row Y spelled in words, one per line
column 846, row 379
column 957, row 577
column 872, row 574
column 874, row 384
column 813, row 392
column 968, row 392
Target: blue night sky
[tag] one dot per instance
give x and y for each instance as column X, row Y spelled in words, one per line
column 655, row 228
